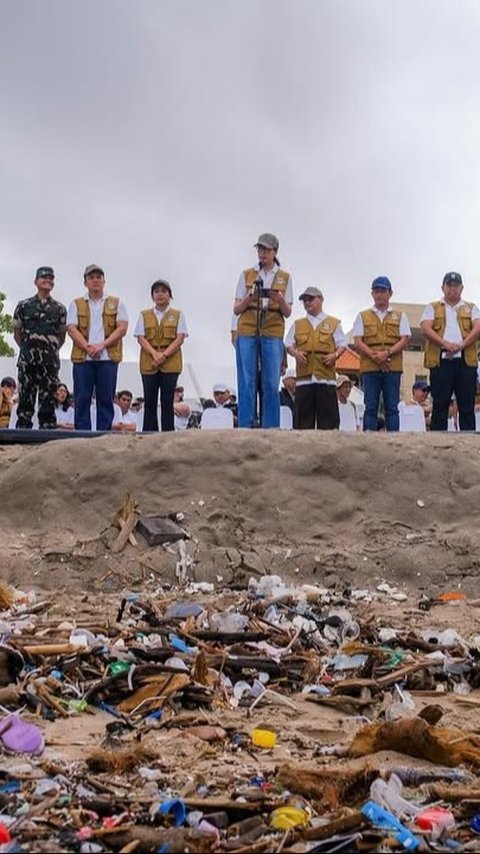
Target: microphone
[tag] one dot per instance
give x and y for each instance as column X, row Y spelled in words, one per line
column 259, row 280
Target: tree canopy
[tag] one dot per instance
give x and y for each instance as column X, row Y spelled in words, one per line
column 6, row 325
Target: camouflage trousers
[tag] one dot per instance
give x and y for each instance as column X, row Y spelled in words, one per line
column 42, row 377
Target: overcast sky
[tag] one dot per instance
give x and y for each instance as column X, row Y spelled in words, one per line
column 159, row 138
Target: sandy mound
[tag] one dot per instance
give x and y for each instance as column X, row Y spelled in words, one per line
column 334, row 508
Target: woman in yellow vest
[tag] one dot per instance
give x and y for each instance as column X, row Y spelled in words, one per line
column 316, row 342
column 160, row 332
column 7, row 389
column 263, row 300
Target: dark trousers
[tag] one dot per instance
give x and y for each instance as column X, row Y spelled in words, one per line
column 42, row 377
column 152, row 384
column 453, row 376
column 98, row 376
column 316, row 407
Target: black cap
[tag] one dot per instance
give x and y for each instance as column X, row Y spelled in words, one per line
column 452, row 279
column 44, row 271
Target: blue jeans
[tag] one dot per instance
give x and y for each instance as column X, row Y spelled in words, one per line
column 100, row 376
column 386, row 383
column 269, row 352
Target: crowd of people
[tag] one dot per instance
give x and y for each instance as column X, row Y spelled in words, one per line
column 97, row 322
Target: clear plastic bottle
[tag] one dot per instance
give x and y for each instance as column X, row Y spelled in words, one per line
column 417, row 776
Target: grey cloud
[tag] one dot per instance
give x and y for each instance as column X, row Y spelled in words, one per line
column 159, row 138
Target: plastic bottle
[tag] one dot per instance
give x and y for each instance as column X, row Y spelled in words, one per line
column 350, row 631
column 384, row 819
column 115, row 668
column 475, row 823
column 228, row 621
column 265, row 738
column 402, row 707
column 436, row 820
column 417, row 776
column 388, row 795
column 4, row 834
column 285, row 818
column 175, row 809
column 348, row 662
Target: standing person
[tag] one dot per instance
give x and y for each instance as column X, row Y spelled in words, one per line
column 160, row 332
column 380, row 335
column 316, row 342
column 7, row 388
column 263, row 300
column 96, row 324
column 451, row 327
column 39, row 326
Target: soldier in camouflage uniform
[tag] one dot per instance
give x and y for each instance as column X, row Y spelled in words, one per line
column 39, row 326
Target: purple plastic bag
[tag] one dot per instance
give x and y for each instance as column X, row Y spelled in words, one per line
column 18, row 736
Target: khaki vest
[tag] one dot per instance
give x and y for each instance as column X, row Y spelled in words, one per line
column 315, row 343
column 5, row 411
column 160, row 335
column 272, row 322
column 381, row 335
column 109, row 315
column 464, row 318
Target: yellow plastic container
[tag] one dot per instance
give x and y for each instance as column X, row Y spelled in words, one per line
column 285, row 818
column 264, row 738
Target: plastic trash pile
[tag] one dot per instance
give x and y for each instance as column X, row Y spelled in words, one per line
column 282, row 717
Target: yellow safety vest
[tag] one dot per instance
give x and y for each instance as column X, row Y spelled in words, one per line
column 315, row 343
column 109, row 317
column 160, row 335
column 464, row 319
column 5, row 411
column 381, row 335
column 272, row 320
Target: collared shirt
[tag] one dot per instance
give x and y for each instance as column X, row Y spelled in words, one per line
column 96, row 332
column 452, row 331
column 181, row 328
column 338, row 336
column 127, row 417
column 267, row 277
column 404, row 329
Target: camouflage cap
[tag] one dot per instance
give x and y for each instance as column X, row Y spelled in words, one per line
column 43, row 272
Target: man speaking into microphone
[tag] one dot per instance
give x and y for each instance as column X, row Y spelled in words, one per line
column 263, row 300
